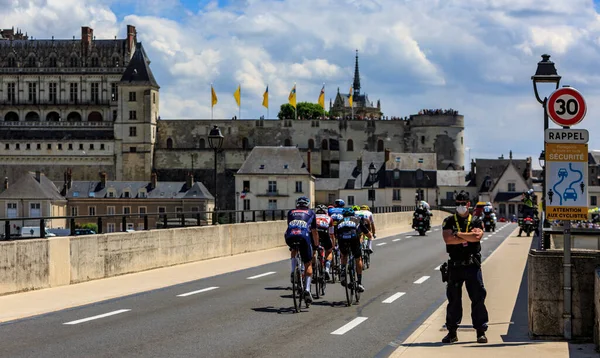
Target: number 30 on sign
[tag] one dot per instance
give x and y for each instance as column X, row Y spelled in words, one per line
column 566, row 107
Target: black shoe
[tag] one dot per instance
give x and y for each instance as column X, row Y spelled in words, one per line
column 308, row 297
column 481, row 338
column 360, row 288
column 451, row 337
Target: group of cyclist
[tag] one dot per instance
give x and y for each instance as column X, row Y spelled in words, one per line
column 331, row 227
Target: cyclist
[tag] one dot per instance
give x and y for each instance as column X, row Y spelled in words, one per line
column 302, row 225
column 365, row 211
column 348, row 232
column 336, row 211
column 326, row 235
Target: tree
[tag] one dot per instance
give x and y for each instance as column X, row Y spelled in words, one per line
column 306, row 110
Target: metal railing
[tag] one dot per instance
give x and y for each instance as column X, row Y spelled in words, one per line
column 165, row 220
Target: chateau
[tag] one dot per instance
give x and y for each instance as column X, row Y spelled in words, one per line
column 93, row 106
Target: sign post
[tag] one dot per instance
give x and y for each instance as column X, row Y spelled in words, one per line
column 566, row 176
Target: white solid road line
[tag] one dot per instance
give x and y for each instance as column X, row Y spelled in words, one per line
column 261, row 275
column 383, row 243
column 438, row 268
column 97, row 317
column 421, row 280
column 393, row 297
column 195, row 292
column 348, row 326
column 396, row 240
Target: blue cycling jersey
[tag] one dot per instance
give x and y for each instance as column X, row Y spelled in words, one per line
column 300, row 223
column 336, row 214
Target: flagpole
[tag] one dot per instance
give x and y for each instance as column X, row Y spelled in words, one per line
column 295, row 100
column 211, row 102
column 323, row 100
column 240, row 106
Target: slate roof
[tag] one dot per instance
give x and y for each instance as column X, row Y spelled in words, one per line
column 27, row 187
column 163, row 190
column 353, row 177
column 274, row 161
column 507, row 196
column 494, row 168
column 138, row 70
column 451, row 178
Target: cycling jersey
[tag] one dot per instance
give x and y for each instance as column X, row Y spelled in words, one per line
column 300, row 223
column 336, row 214
column 350, row 227
column 324, row 223
column 367, row 217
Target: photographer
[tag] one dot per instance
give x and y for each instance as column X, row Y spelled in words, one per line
column 462, row 234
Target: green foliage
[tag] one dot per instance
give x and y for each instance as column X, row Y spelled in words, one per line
column 306, row 110
column 91, row 226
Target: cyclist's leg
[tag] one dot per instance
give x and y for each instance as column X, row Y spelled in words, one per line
column 290, row 241
column 306, row 253
column 355, row 247
column 328, row 246
column 344, row 251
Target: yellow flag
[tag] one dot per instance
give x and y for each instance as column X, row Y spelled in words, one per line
column 350, row 97
column 213, row 96
column 266, row 98
column 322, row 97
column 237, row 94
column 292, row 97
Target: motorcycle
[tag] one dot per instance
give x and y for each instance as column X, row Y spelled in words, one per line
column 421, row 224
column 527, row 225
column 489, row 222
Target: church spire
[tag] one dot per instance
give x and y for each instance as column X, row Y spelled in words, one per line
column 356, row 83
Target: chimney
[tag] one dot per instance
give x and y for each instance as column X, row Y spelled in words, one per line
column 308, row 155
column 189, row 181
column 387, row 155
column 38, row 176
column 131, row 39
column 87, row 34
column 103, row 180
column 69, row 178
column 153, row 180
column 5, row 183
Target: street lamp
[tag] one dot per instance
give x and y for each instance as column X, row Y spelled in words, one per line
column 215, row 142
column 545, row 73
column 372, row 170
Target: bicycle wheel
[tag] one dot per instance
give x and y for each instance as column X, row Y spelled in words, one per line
column 322, row 274
column 297, row 291
column 335, row 267
column 355, row 286
column 347, row 287
column 316, row 277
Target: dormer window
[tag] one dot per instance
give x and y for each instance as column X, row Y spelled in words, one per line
column 31, row 61
column 127, row 194
column 52, row 62
column 142, row 194
column 12, row 62
column 95, row 62
column 73, row 61
column 111, row 193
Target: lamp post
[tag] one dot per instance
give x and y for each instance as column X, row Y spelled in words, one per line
column 545, row 73
column 215, row 142
column 372, row 170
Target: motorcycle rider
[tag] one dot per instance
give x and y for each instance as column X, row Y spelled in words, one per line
column 421, row 210
column 325, row 229
column 527, row 208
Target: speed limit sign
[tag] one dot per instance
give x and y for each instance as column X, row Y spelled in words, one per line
column 566, row 107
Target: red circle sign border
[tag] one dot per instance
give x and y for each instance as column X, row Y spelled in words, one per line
column 552, row 112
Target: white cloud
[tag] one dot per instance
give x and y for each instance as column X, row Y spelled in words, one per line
column 473, row 55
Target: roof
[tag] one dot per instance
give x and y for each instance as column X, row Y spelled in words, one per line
column 138, row 70
column 493, row 169
column 507, row 196
column 274, row 160
column 451, row 178
column 355, row 174
column 27, row 187
column 163, row 190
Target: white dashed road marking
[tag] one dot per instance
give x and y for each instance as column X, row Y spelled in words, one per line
column 438, row 268
column 97, row 317
column 261, row 275
column 396, row 240
column 421, row 280
column 383, row 243
column 408, row 237
column 199, row 291
column 348, row 326
column 393, row 297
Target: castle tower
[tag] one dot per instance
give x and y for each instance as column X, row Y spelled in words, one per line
column 135, row 127
column 356, row 82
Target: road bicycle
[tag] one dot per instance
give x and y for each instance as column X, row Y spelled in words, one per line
column 318, row 278
column 366, row 256
column 298, row 282
column 335, row 265
column 352, row 293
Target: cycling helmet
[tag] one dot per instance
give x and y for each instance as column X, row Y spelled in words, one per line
column 330, row 207
column 365, row 207
column 348, row 212
column 340, row 203
column 355, row 207
column 321, row 209
column 302, row 202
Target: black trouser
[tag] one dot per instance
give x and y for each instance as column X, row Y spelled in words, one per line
column 473, row 279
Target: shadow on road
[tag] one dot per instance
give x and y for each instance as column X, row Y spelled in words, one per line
column 278, row 288
column 271, row 309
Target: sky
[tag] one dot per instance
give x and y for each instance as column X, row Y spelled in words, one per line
column 475, row 56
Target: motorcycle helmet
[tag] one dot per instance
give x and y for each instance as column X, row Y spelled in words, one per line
column 348, row 212
column 340, row 203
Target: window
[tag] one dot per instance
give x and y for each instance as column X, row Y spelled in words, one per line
column 511, row 209
column 114, row 115
column 32, row 91
column 380, row 145
column 31, row 61
column 10, row 90
column 142, row 210
column 272, row 204
column 35, row 210
column 246, row 186
column 12, row 62
column 350, row 145
column 593, row 200
column 73, row 61
column 80, row 146
column 91, row 210
column 272, row 187
column 73, row 92
column 371, row 194
column 511, row 187
column 52, row 91
column 74, row 211
column 488, row 183
column 195, row 209
column 132, row 97
column 70, row 146
column 27, row 146
column 126, row 194
column 132, row 115
column 59, row 146
column 298, row 187
column 95, row 92
column 179, row 209
column 7, row 146
column 11, row 210
column 142, row 194
column 287, row 142
column 52, row 62
column 127, row 210
column 247, row 204
column 422, row 139
column 502, row 210
column 396, row 195
column 49, row 146
column 169, row 143
column 110, row 227
column 132, row 131
column 311, row 144
column 38, row 146
column 102, row 146
column 350, row 200
column 95, row 62
column 202, row 143
column 162, row 209
column 153, row 97
column 132, row 150
column 114, row 93
column 17, row 146
column 111, row 193
column 324, row 144
column 91, row 146
column 110, row 210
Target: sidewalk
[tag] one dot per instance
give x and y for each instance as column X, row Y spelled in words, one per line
column 505, row 279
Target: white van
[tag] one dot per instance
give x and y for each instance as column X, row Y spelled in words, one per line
column 33, row 231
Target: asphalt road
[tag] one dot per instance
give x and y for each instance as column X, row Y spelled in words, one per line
column 249, row 313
